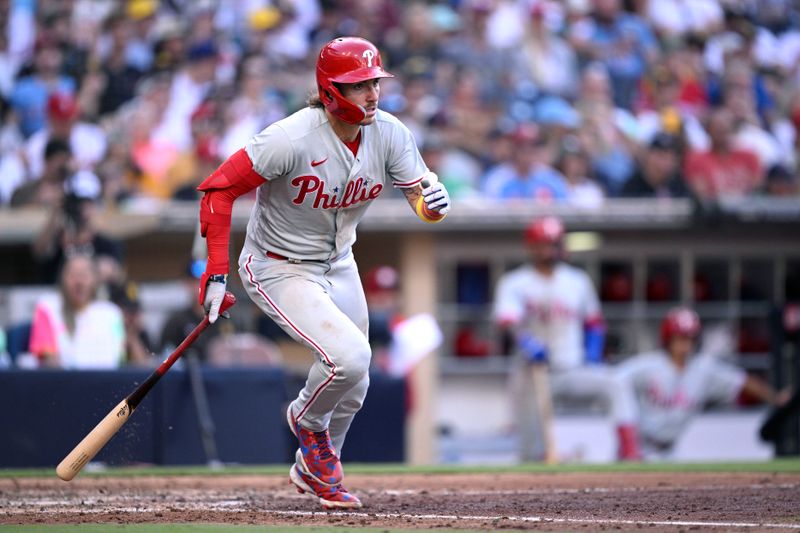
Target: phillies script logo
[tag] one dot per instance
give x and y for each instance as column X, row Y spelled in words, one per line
column 354, row 192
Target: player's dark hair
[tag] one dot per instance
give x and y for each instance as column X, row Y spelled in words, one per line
column 314, row 100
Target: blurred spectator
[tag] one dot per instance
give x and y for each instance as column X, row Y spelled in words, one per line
column 723, row 170
column 138, row 348
column 19, row 24
column 119, row 75
column 48, row 190
column 139, row 49
column 607, row 131
column 190, row 166
column 574, row 164
column 75, row 330
column 739, row 37
column 87, row 141
column 467, row 117
column 673, row 19
column 191, row 85
column 149, row 157
column 30, row 95
column 168, row 50
column 257, row 105
column 750, row 133
column 488, row 69
column 13, row 171
column 547, row 59
column 415, row 51
column 658, row 171
column 72, row 228
column 619, row 40
column 673, row 97
column 781, row 182
column 459, row 171
column 526, row 175
column 289, row 40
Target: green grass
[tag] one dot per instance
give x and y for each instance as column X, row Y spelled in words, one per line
column 778, row 465
column 198, row 528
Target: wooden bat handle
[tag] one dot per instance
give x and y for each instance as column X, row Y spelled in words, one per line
column 544, row 402
column 86, row 449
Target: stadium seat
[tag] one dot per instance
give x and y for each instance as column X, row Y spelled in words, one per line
column 18, row 339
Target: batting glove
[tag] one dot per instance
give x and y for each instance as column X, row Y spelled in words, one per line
column 532, row 348
column 436, row 198
column 214, row 294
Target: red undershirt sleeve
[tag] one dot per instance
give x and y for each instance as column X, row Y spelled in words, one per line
column 232, row 179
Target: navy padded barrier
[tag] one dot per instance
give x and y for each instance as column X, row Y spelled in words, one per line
column 45, row 413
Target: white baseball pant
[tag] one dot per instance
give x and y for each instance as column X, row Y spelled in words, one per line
column 322, row 306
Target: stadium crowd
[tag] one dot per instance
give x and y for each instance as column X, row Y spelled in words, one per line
column 132, row 102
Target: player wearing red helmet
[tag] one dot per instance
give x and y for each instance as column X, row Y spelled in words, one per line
column 316, row 172
column 544, row 237
column 348, row 60
column 679, row 330
column 553, row 312
column 665, row 388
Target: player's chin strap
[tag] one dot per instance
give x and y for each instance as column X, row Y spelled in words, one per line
column 341, row 107
column 235, row 177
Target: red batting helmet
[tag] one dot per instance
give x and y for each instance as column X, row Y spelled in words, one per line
column 544, row 230
column 346, row 60
column 679, row 321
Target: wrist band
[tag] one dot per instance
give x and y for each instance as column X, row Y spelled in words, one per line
column 427, row 215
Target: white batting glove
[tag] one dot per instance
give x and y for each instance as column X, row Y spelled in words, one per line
column 215, row 292
column 435, row 195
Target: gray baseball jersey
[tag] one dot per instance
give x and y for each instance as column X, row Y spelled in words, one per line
column 315, row 194
column 553, row 309
column 666, row 397
column 317, row 191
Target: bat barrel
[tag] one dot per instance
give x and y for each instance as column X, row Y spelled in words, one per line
column 92, row 443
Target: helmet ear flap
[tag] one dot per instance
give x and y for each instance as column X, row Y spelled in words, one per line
column 334, row 100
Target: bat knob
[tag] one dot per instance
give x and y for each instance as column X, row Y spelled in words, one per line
column 429, row 179
column 227, row 302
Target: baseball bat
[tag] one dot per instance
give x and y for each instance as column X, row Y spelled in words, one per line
column 544, row 404
column 94, row 441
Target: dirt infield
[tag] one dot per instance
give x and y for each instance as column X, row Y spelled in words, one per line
column 543, row 502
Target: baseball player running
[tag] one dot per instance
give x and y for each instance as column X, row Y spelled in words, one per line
column 553, row 312
column 663, row 389
column 316, row 172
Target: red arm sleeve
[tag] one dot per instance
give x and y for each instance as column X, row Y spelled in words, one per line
column 232, row 179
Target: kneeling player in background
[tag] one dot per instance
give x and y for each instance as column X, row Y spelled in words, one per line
column 664, row 388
